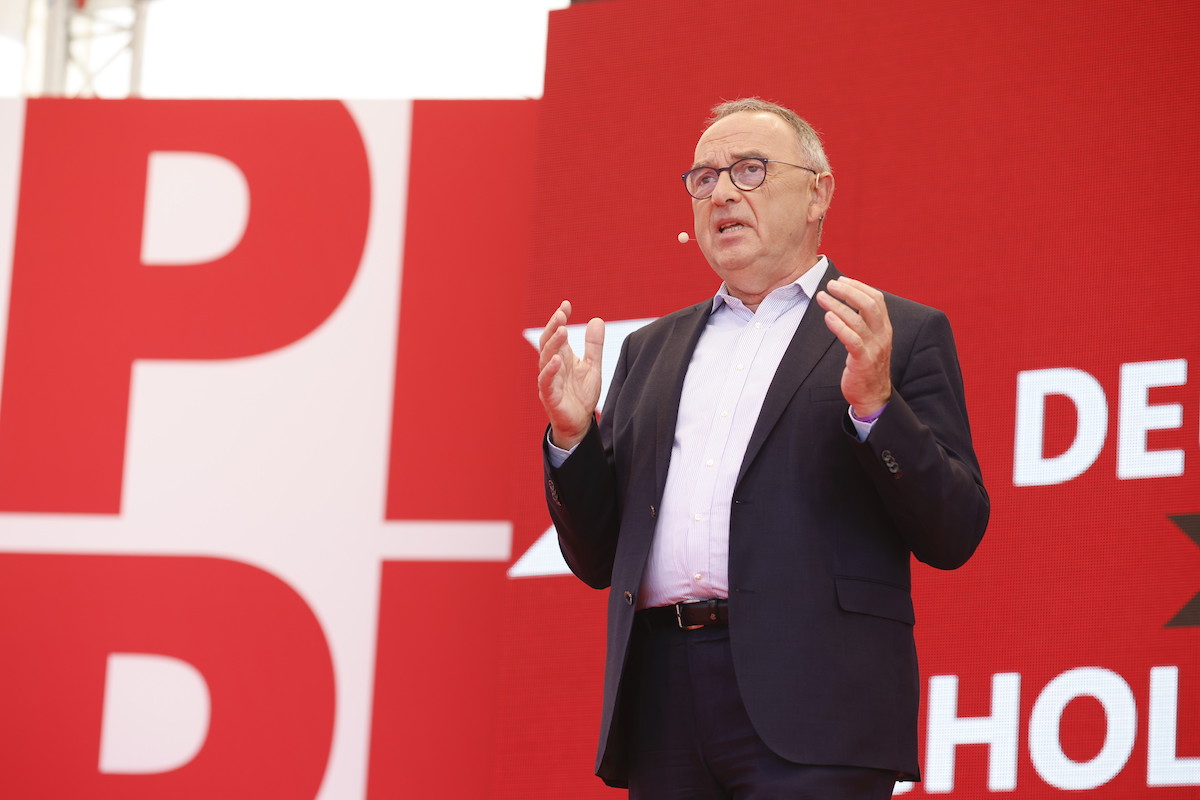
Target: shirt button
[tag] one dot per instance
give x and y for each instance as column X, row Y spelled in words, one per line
column 710, row 462
column 741, row 367
column 697, row 576
column 724, row 414
column 699, row 517
column 758, row 326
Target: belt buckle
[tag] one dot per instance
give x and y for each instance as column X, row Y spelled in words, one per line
column 679, row 616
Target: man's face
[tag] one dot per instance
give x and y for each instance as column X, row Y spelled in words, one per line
column 762, row 239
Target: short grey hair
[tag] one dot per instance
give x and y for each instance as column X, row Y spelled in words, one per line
column 810, row 141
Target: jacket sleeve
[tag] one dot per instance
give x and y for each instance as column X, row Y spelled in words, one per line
column 919, row 454
column 582, row 495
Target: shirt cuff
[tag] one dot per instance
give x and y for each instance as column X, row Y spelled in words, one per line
column 861, row 426
column 556, row 454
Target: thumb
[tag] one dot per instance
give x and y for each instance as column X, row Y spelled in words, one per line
column 593, row 341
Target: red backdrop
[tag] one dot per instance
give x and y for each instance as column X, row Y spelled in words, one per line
column 1028, row 168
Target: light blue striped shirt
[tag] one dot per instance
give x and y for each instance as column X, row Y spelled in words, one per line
column 726, row 383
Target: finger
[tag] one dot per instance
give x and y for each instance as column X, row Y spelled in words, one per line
column 867, row 300
column 556, row 344
column 848, row 336
column 845, row 314
column 554, row 335
column 556, row 321
column 857, row 285
column 548, row 387
column 550, row 343
column 851, row 295
column 593, row 341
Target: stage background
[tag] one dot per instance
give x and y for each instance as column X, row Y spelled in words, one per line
column 270, row 486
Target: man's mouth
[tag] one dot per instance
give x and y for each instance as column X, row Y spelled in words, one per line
column 729, row 227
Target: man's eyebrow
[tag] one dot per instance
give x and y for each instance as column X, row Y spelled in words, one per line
column 736, row 157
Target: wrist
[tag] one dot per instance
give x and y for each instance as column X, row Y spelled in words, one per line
column 568, row 438
column 564, row 441
column 868, row 416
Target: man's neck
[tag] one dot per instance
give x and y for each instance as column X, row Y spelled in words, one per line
column 752, row 301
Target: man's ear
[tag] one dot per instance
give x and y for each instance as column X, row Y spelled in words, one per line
column 822, row 196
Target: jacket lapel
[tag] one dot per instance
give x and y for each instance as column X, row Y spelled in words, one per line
column 810, row 342
column 671, row 367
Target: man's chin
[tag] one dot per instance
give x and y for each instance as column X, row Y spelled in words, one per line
column 729, row 264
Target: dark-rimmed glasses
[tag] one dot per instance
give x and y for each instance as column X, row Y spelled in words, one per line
column 747, row 174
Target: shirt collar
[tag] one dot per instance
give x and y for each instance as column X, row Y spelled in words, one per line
column 807, row 283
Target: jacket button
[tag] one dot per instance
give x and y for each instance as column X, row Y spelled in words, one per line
column 653, row 512
column 629, row 598
column 890, row 461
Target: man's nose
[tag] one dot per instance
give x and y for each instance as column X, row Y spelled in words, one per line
column 726, row 190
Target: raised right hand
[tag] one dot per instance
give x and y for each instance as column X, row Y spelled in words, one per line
column 568, row 386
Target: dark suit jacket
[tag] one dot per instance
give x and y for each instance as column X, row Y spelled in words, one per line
column 821, row 530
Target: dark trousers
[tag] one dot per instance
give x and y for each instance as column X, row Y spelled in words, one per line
column 690, row 737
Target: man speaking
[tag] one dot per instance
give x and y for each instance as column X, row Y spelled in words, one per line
column 765, row 463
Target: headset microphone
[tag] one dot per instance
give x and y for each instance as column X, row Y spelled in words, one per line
column 684, row 238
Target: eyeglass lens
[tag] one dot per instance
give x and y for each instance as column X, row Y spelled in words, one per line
column 749, row 173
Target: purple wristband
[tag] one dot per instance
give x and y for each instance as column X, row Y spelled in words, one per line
column 870, row 417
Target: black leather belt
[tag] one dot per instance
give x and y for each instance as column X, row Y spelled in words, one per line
column 688, row 616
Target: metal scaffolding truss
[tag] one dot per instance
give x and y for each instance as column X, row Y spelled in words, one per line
column 85, row 48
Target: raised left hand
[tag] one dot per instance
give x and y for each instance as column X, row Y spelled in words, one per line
column 857, row 315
